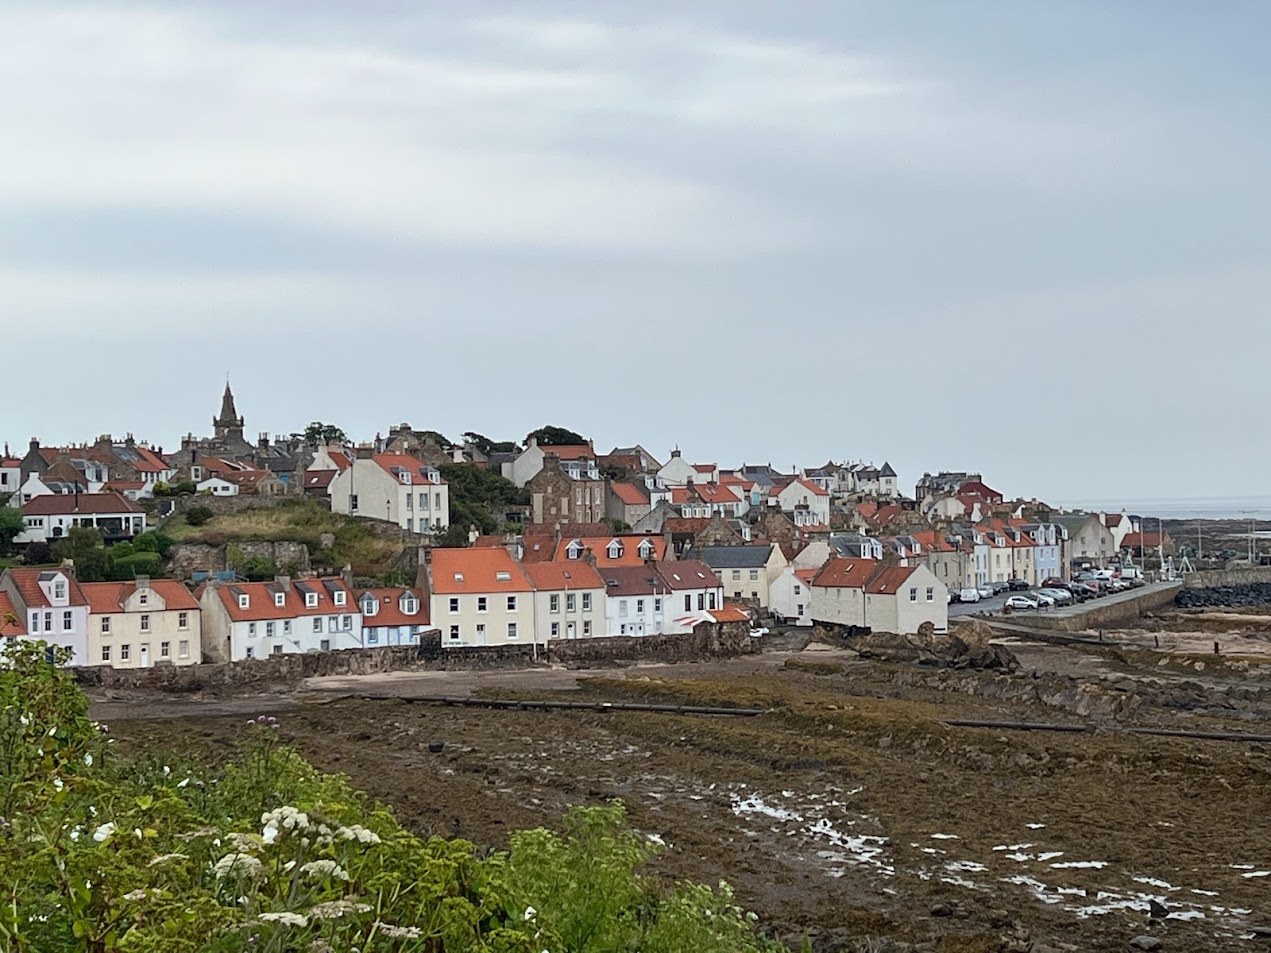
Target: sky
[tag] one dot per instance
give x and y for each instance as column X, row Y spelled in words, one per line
column 1025, row 239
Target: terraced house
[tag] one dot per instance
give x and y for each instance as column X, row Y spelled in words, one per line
column 254, row 619
column 394, row 487
column 481, row 596
column 46, row 605
column 142, row 623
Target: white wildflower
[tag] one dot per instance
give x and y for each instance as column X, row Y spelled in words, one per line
column 289, row 866
column 103, row 832
column 135, row 895
column 334, row 909
column 57, row 783
column 358, row 833
column 269, row 834
column 396, row 932
column 24, row 720
column 166, row 770
column 241, row 865
column 291, row 919
column 243, row 843
column 53, row 731
column 88, row 760
column 137, row 833
column 325, row 868
column 530, row 913
column 75, row 834
column 182, row 784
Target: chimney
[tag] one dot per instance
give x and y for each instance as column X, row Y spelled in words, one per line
column 284, row 582
column 365, row 451
column 423, row 584
column 675, row 454
column 143, row 582
column 346, row 575
column 589, row 557
column 35, row 444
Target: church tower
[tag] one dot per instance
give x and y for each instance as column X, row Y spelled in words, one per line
column 228, row 427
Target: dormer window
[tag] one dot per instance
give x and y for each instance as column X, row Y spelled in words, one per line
column 574, row 550
column 243, row 601
column 404, row 476
column 646, row 549
column 143, row 598
column 370, row 606
column 59, row 590
column 410, row 605
column 280, row 599
column 614, row 550
column 340, row 597
column 311, row 600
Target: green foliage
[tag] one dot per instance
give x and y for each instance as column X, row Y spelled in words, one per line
column 478, row 497
column 555, row 437
column 153, row 542
column 176, row 489
column 84, row 545
column 267, row 854
column 318, row 434
column 259, row 568
column 488, row 446
column 37, row 554
column 454, row 537
column 11, row 524
column 198, row 515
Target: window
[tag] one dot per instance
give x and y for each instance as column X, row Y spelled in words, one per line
column 243, row 600
column 931, row 594
column 59, row 590
column 614, row 550
column 311, row 600
column 332, row 623
column 346, row 623
column 454, row 631
column 701, row 601
column 712, row 601
column 423, row 501
column 571, row 602
column 481, row 603
column 353, row 503
column 249, row 652
column 183, row 621
column 688, row 603
column 251, row 629
column 105, row 653
column 372, row 636
column 798, row 590
column 410, row 501
column 276, row 650
column 454, row 605
column 125, row 653
column 35, row 622
column 657, row 605
column 586, row 601
column 798, row 610
column 553, row 603
column 165, row 650
column 555, row 629
column 340, row 597
column 269, row 630
column 512, row 604
column 736, row 575
column 503, row 576
column 280, row 598
column 639, row 607
column 145, row 622
column 622, row 608
column 105, row 625
column 913, row 593
column 437, row 500
column 68, row 621
column 286, row 627
column 754, row 575
column 183, row 647
column 587, row 627
column 317, row 623
column 325, row 645
column 511, row 630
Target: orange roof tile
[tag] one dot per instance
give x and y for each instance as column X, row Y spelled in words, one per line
column 477, row 570
column 628, row 494
column 729, row 614
column 564, row 574
column 262, row 605
column 412, row 465
column 807, row 575
column 57, row 504
column 9, row 611
column 890, row 580
column 599, row 546
column 841, row 573
column 389, row 608
column 107, row 597
column 29, row 591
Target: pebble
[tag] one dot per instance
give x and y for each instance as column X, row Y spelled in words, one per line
column 1146, row 943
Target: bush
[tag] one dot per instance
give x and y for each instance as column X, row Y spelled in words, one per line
column 198, row 515
column 266, row 853
column 38, row 554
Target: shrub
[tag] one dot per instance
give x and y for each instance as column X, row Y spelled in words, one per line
column 198, row 515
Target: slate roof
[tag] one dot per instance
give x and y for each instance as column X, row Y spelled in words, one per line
column 733, row 557
column 57, row 504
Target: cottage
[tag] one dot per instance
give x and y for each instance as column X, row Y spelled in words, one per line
column 481, row 597
column 746, row 572
column 52, row 516
column 142, row 623
column 254, row 619
column 392, row 616
column 790, row 595
column 569, row 599
column 46, row 605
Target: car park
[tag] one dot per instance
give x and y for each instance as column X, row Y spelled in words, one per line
column 969, row 594
column 1061, row 596
column 986, row 591
column 1020, row 602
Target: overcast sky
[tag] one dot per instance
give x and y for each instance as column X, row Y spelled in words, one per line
column 1029, row 239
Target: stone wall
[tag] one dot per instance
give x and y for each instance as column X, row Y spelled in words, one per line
column 187, row 558
column 1100, row 614
column 1212, row 578
column 227, row 505
column 279, row 673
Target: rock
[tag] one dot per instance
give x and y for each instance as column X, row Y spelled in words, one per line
column 1146, row 943
column 1262, row 933
column 941, row 910
column 1000, row 918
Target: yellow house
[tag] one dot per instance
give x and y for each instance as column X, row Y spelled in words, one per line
column 142, row 623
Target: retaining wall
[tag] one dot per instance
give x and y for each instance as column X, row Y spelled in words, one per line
column 1106, row 613
column 1210, row 578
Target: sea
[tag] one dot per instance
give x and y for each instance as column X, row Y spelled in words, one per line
column 1183, row 508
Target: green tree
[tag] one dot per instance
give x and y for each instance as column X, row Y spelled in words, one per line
column 555, row 437
column 479, row 497
column 454, row 537
column 10, row 526
column 85, row 547
column 488, row 446
column 198, row 515
column 319, row 433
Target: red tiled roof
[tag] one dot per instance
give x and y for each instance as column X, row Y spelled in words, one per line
column 412, row 465
column 567, row 529
column 686, row 524
column 150, row 461
column 478, row 571
column 389, row 603
column 10, row 463
column 806, row 575
column 890, row 580
column 261, row 599
column 1113, row 519
column 108, row 597
column 319, row 479
column 7, row 609
column 564, row 574
column 58, row 504
column 29, row 591
column 119, row 486
column 570, row 452
column 629, row 494
column 599, row 546
column 841, row 573
column 485, row 542
column 1150, row 538
column 729, row 614
column 687, row 574
column 704, row 467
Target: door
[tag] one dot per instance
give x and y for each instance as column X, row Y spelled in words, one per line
column 145, row 655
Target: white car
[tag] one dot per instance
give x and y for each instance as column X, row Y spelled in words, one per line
column 1061, row 596
column 1018, row 602
column 1047, row 602
column 970, row 594
column 986, row 592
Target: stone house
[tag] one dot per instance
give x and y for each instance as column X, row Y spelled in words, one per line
column 567, row 491
column 627, row 502
column 521, row 469
column 1085, row 541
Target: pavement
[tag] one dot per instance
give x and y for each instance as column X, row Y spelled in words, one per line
column 994, row 605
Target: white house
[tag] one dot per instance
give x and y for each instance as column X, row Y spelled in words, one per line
column 660, row 598
column 526, row 465
column 746, row 572
column 10, row 475
column 217, row 486
column 569, row 599
column 481, row 596
column 804, row 496
column 254, row 619
column 392, row 616
column 679, row 472
column 394, row 487
column 51, row 516
column 879, row 596
column 790, row 595
column 47, row 605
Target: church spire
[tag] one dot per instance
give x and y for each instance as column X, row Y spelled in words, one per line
column 228, row 423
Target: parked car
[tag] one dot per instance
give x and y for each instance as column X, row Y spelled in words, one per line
column 969, row 594
column 986, row 591
column 1047, row 602
column 1051, row 581
column 1092, row 591
column 1061, row 596
column 1020, row 602
column 1000, row 586
column 1018, row 585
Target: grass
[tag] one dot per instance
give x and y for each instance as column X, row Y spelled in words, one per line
column 302, row 521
